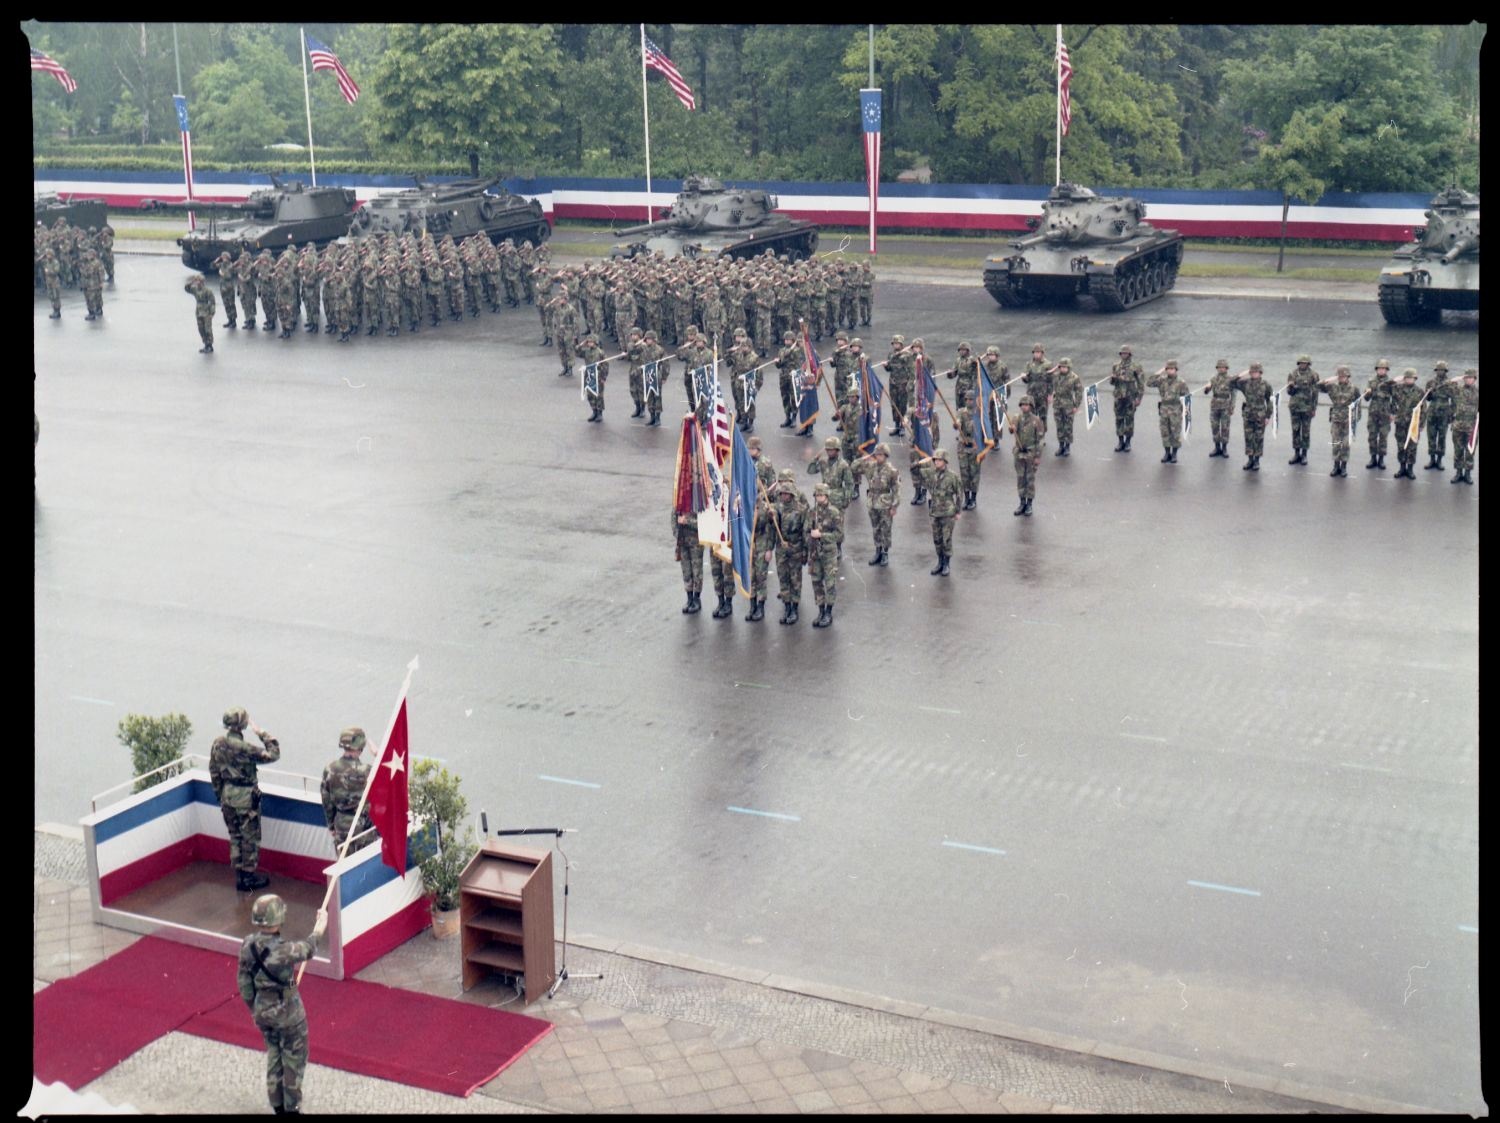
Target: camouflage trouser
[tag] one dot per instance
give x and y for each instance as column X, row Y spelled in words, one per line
column 206, row 330
column 530, row 285
column 623, row 325
column 1301, row 431
column 1255, row 433
column 93, row 298
column 454, row 291
column 760, row 563
column 880, row 525
column 1463, row 459
column 1170, row 417
column 1218, row 420
column 788, row 392
column 107, row 259
column 823, row 568
column 690, row 554
column 371, row 306
column 789, row 563
column 343, row 820
column 865, row 301
column 596, row 401
column 564, row 349
column 1379, row 429
column 286, row 1061
column 471, row 293
column 393, row 309
column 846, row 311
column 969, row 466
column 1437, row 432
column 310, row 304
column 286, row 312
column 513, row 288
column 681, row 320
column 411, row 305
column 900, row 398
column 1125, row 417
column 267, row 307
column 744, row 404
column 1339, row 434
column 831, row 316
column 54, row 294
column 762, row 330
column 722, row 573
column 942, row 532
column 241, row 810
column 491, row 286
column 1026, row 466
column 1064, row 420
column 963, row 393
column 637, row 386
column 226, row 297
column 433, row 296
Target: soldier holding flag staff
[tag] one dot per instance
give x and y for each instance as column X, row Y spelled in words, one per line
column 825, row 542
column 942, row 488
column 1257, row 412
column 1169, row 409
column 1220, row 408
column 1341, row 394
column 1067, row 396
column 1129, row 382
column 1406, row 405
column 1465, row 426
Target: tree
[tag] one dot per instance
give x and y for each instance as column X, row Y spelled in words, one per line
column 1310, row 153
column 153, row 742
column 244, row 122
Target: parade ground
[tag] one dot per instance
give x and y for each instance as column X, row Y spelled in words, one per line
column 1183, row 768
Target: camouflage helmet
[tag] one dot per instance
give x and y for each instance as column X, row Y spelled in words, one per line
column 882, row 449
column 964, row 346
column 992, row 350
column 1471, row 372
column 940, row 454
column 1409, row 372
column 636, row 330
column 591, row 338
column 739, row 333
column 918, row 342
column 856, row 342
column 1039, row 347
column 840, row 335
column 1222, row 364
column 352, row 738
column 1342, row 370
column 650, row 334
column 1171, row 364
column 898, row 338
column 786, row 476
column 787, row 336
column 1441, row 364
column 1025, row 400
column 752, row 442
column 1383, row 363
column 694, row 329
column 1126, row 350
column 1256, row 368
column 831, row 444
column 852, row 394
column 268, row 911
column 235, row 717
column 820, row 489
column 1065, row 362
column 1303, row 359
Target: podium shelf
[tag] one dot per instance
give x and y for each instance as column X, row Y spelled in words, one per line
column 499, row 955
column 501, row 922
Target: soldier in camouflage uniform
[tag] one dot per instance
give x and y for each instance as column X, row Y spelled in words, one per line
column 966, row 372
column 1465, row 417
column 943, row 488
column 223, row 265
column 1220, row 408
column 722, row 573
column 882, row 494
column 308, row 277
column 1026, row 454
column 1067, row 396
column 1169, row 409
column 104, row 239
column 510, row 273
column 635, row 345
column 690, row 554
column 1378, row 393
column 764, row 535
column 91, row 280
column 563, row 318
column 844, row 361
column 653, row 352
column 593, row 355
column 1341, row 394
column 1256, row 414
column 825, row 542
column 1439, row 415
column 232, row 768
column 746, row 380
column 284, row 282
column 1406, row 399
column 788, row 362
column 1038, row 382
column 1302, row 404
column 1129, row 383
column 900, row 369
column 625, row 312
column 791, row 512
column 866, row 293
column 342, row 789
column 267, row 979
column 50, row 277
column 264, row 266
column 197, row 288
column 836, row 473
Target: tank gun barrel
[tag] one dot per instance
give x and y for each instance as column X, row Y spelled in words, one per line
column 1461, row 247
column 463, row 188
column 162, row 206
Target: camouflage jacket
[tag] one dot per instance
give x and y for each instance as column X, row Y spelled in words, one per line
column 828, row 521
column 1465, row 405
column 838, row 476
column 901, row 366
column 843, row 362
column 593, row 355
column 765, row 473
column 966, row 371
column 1339, row 398
column 791, row 517
column 882, row 482
column 271, row 990
column 1038, row 380
column 343, row 785
column 307, row 267
column 1128, row 380
column 966, row 443
column 1172, row 389
column 744, row 360
column 233, row 766
column 203, row 295
column 1067, row 391
column 1222, row 388
column 223, row 266
column 244, row 271
column 1028, row 437
column 944, row 491
column 1380, row 393
column 1404, row 399
column 1302, row 391
column 1440, row 393
column 1257, row 394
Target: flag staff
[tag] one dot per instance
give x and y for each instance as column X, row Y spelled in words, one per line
column 187, row 177
column 1058, row 122
column 307, row 103
column 646, row 116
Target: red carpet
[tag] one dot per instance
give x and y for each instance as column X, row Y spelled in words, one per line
column 416, row 1039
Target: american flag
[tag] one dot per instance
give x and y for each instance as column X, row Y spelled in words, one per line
column 40, row 60
column 658, row 61
column 869, row 113
column 723, row 441
column 1064, row 75
column 324, row 59
column 180, row 104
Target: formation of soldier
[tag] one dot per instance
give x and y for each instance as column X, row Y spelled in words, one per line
column 67, row 256
column 381, row 284
column 785, row 518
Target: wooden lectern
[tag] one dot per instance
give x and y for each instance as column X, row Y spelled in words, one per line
column 505, row 910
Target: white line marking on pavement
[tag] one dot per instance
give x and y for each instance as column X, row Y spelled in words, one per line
column 1365, row 767
column 1227, row 643
column 969, row 846
column 755, row 685
column 564, row 780
column 1225, row 888
column 766, row 814
column 1142, row 737
column 939, row 710
column 91, row 701
column 1468, row 928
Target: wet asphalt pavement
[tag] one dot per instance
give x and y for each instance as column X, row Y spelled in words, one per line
column 1187, row 761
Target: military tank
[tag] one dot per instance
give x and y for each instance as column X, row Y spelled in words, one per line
column 461, row 208
column 1086, row 245
column 273, row 218
column 88, row 213
column 711, row 220
column 1440, row 269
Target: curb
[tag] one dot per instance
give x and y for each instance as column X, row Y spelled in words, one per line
column 1123, row 1054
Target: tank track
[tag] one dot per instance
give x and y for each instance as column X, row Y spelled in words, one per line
column 1114, row 293
column 1398, row 307
column 1004, row 295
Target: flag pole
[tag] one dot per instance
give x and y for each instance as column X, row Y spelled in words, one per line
column 307, row 102
column 1057, row 62
column 646, row 116
column 365, row 795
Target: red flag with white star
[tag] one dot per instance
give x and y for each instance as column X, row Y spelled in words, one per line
column 388, row 794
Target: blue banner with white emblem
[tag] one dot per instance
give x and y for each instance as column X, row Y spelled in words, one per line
column 651, row 379
column 1187, row 415
column 1090, row 406
column 741, row 511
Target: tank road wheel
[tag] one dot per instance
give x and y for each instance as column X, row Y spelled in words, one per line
column 1398, row 304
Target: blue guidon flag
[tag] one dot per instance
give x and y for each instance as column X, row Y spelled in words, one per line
column 1090, row 406
column 741, row 511
column 805, row 384
column 872, row 395
column 990, row 405
column 921, row 413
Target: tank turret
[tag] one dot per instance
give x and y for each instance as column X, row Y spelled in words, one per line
column 87, row 213
column 458, row 208
column 1086, row 244
column 273, row 218
column 1440, row 269
column 711, row 220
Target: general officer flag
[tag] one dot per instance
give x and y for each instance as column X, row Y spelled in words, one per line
column 741, row 511
column 985, row 425
column 1090, row 407
column 872, row 395
column 590, row 383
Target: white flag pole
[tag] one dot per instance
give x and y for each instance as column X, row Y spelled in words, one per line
column 1057, row 62
column 646, row 114
column 307, row 102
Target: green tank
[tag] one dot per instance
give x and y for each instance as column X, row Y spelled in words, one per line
column 461, row 208
column 711, row 220
column 1440, row 269
column 1086, row 245
column 87, row 213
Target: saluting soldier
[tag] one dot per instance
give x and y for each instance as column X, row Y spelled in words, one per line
column 1465, row 417
column 847, row 416
column 763, row 533
column 1405, row 399
column 882, row 494
column 1129, row 383
column 593, row 355
column 748, row 378
column 1220, row 407
column 1379, row 392
column 1169, row 409
column 197, row 288
column 900, row 368
column 943, row 488
column 836, row 473
column 966, row 372
column 564, row 320
column 1038, row 383
column 969, row 463
column 342, row 789
column 1302, row 404
column 788, row 362
column 307, row 278
column 234, row 773
column 866, row 293
column 267, row 980
column 1439, row 414
column 1341, row 394
column 1067, row 396
column 651, row 383
column 791, row 545
column 825, row 544
column 1026, row 454
column 1256, row 414
column 635, row 345
column 223, row 265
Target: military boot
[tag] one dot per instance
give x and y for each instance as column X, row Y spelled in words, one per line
column 1335, row 471
column 1374, row 461
column 787, row 424
column 247, row 880
column 885, row 556
column 790, row 615
column 1469, row 476
column 1120, row 444
column 1027, row 512
column 1381, row 464
column 876, row 559
column 656, row 417
column 725, row 608
column 1129, row 437
column 1166, row 456
column 286, row 333
column 757, row 611
column 56, row 315
column 639, row 409
column 90, row 316
column 688, row 609
column 920, row 497
column 937, row 569
column 311, row 328
column 822, row 616
column 943, row 569
column 227, row 324
column 1458, row 477
column 250, row 324
column 968, row 501
column 393, row 330
column 206, row 349
column 1020, row 508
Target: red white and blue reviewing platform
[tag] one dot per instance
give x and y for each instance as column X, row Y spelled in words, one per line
column 1378, row 217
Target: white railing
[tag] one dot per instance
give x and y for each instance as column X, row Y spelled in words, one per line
column 191, row 760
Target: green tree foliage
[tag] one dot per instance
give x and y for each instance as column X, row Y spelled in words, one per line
column 153, row 742
column 434, row 795
column 1311, row 153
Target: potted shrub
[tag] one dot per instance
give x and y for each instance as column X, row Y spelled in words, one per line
column 435, row 796
column 154, row 742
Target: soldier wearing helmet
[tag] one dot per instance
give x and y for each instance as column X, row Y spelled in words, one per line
column 563, row 329
column 966, row 372
column 1026, row 454
column 788, row 362
column 1220, row 408
column 233, row 770
column 1129, row 383
column 595, row 372
column 1341, row 394
column 1258, row 403
column 1302, row 404
column 791, row 516
column 1465, row 418
column 825, row 543
column 1169, row 409
column 882, row 496
column 746, row 379
column 943, row 488
column 1439, row 414
column 1067, row 396
column 1407, row 405
column 837, row 475
column 343, row 789
column 1038, row 382
column 1378, row 392
column 267, row 978
column 901, row 369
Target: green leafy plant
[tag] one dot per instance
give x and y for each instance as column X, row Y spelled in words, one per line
column 435, row 795
column 153, row 742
